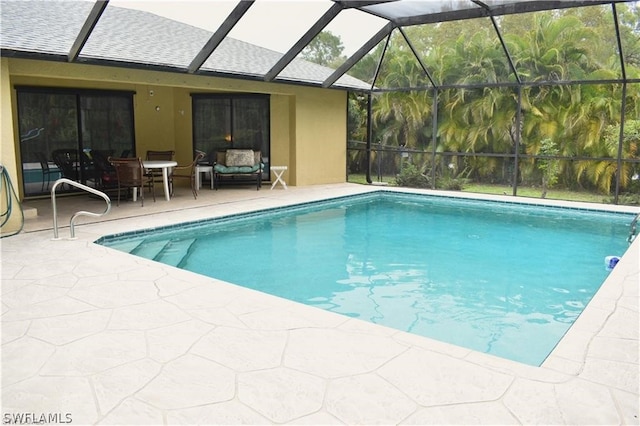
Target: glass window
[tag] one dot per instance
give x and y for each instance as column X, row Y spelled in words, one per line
column 221, row 122
column 61, row 130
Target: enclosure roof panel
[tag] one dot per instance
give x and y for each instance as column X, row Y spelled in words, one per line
column 98, row 32
column 126, row 37
column 396, row 10
column 416, row 12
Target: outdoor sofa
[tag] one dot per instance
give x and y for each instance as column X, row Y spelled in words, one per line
column 238, row 166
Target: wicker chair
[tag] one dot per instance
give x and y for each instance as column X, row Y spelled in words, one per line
column 188, row 172
column 130, row 173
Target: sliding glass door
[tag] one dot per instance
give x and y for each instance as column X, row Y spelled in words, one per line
column 228, row 121
column 61, row 130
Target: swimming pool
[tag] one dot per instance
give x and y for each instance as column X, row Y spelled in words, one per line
column 502, row 278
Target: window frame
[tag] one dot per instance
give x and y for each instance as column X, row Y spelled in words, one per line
column 212, row 148
column 81, row 141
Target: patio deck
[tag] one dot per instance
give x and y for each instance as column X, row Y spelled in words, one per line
column 109, row 338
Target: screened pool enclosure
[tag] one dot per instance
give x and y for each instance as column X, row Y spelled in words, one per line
column 538, row 98
column 513, row 104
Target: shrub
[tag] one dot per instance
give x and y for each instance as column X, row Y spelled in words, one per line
column 451, row 183
column 410, row 176
column 450, row 179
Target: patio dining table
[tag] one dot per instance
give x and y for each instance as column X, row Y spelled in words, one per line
column 164, row 166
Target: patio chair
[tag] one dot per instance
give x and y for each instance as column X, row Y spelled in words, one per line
column 130, row 174
column 46, row 170
column 67, row 161
column 238, row 165
column 188, row 172
column 105, row 174
column 158, row 156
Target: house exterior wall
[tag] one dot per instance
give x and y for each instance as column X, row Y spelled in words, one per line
column 320, row 128
column 308, row 124
column 7, row 153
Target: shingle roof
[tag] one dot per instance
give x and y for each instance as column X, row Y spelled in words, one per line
column 49, row 29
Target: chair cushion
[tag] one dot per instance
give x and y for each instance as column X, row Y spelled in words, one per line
column 235, row 169
column 240, row 158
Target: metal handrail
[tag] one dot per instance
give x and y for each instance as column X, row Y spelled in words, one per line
column 80, row 213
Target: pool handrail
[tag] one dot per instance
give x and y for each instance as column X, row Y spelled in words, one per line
column 81, row 212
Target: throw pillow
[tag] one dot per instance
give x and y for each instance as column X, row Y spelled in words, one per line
column 239, row 157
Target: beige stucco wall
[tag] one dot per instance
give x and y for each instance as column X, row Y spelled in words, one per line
column 7, row 152
column 308, row 125
column 320, row 128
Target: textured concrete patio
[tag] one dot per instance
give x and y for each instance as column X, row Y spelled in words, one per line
column 110, row 338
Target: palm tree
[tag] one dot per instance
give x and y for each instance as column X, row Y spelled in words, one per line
column 402, row 117
column 546, row 48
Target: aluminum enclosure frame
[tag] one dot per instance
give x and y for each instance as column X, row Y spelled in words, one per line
column 398, row 14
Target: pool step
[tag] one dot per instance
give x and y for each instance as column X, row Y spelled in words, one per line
column 127, row 246
column 174, row 252
column 149, row 249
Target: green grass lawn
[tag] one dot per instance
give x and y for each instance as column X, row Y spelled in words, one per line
column 523, row 191
column 552, row 194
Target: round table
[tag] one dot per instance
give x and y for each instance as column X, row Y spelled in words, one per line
column 164, row 166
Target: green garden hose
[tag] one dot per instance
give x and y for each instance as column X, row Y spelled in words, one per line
column 7, row 197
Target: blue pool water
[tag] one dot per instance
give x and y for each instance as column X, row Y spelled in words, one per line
column 500, row 278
